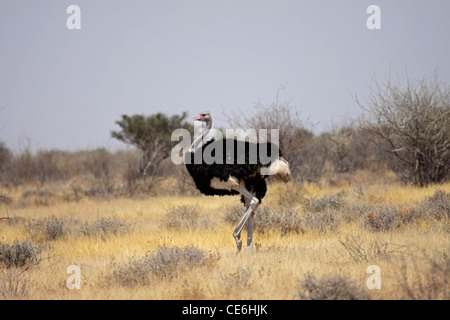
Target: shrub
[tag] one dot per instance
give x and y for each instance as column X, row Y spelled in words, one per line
column 165, row 264
column 326, row 202
column 233, row 214
column 382, row 218
column 46, row 229
column 279, row 219
column 322, row 221
column 38, row 197
column 334, row 287
column 13, row 284
column 185, row 217
column 437, row 206
column 239, row 278
column 104, row 227
column 347, row 149
column 353, row 211
column 15, row 259
column 20, row 254
column 413, row 124
column 386, row 217
column 430, row 284
column 290, row 222
column 359, row 250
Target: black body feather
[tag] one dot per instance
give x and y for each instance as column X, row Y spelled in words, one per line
column 230, row 157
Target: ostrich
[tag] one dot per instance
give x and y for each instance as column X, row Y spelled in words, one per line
column 235, row 173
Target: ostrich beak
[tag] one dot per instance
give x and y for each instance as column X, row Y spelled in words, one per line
column 198, row 117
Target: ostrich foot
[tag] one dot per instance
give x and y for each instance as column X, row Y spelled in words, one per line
column 238, row 245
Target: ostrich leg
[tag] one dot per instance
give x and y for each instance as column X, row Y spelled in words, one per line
column 247, row 215
column 250, row 232
column 249, row 226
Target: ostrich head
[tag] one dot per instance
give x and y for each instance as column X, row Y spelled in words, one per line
column 204, row 117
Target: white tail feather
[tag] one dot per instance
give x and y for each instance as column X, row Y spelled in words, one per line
column 279, row 169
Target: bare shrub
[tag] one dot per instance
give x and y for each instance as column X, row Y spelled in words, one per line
column 354, row 211
column 386, row 217
column 382, row 218
column 430, row 284
column 290, row 222
column 413, row 123
column 331, row 287
column 46, row 229
column 102, row 188
column 350, row 148
column 321, row 221
column 288, row 194
column 133, row 174
column 74, row 193
column 233, row 214
column 359, row 250
column 436, row 207
column 97, row 162
column 20, row 254
column 280, row 219
column 326, row 202
column 13, row 284
column 238, row 279
column 41, row 167
column 23, row 168
column 166, row 263
column 104, row 227
column 40, row 196
column 185, row 217
column 50, row 166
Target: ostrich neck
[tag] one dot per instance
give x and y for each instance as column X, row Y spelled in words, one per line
column 198, row 142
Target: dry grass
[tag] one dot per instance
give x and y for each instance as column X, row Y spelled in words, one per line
column 137, row 249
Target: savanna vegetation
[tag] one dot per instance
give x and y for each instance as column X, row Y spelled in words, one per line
column 372, row 192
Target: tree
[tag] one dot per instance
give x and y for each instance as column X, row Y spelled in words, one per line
column 151, row 135
column 414, row 126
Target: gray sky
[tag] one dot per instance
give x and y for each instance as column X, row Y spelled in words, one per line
column 64, row 89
